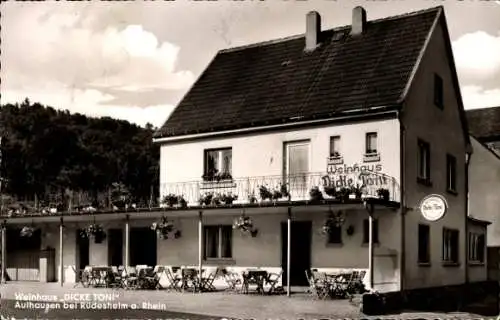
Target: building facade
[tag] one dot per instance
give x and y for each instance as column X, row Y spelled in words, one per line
column 327, row 143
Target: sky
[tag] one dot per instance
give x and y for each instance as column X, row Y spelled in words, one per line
column 136, row 60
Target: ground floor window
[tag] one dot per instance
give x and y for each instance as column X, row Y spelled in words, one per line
column 335, row 234
column 218, row 242
column 476, row 247
column 424, row 248
column 450, row 245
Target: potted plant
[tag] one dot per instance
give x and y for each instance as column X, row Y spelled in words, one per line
column 280, row 192
column 172, row 200
column 356, row 192
column 27, row 231
column 343, row 194
column 383, row 194
column 245, row 224
column 210, row 198
column 335, row 154
column 265, row 193
column 228, row 198
column 163, row 228
column 95, row 231
column 330, row 191
column 252, row 198
column 316, row 194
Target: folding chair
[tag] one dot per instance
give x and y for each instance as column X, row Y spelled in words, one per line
column 272, row 280
column 208, row 282
column 173, row 279
column 153, row 280
column 190, row 280
column 130, row 275
column 79, row 278
column 317, row 286
column 233, row 280
column 116, row 278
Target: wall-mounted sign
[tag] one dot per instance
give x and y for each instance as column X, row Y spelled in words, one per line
column 357, row 174
column 433, row 207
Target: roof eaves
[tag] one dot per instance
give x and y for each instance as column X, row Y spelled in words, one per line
column 416, row 66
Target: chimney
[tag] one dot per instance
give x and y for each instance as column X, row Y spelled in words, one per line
column 313, row 30
column 358, row 21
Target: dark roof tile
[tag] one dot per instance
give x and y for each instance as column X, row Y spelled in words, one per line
column 275, row 81
column 484, row 123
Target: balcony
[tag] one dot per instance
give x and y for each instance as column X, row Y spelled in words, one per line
column 299, row 189
column 307, row 187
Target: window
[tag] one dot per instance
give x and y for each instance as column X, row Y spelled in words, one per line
column 366, row 231
column 218, row 164
column 438, row 91
column 476, row 247
column 424, row 162
column 424, row 248
column 335, row 146
column 451, row 173
column 450, row 245
column 335, row 235
column 218, row 242
column 371, row 143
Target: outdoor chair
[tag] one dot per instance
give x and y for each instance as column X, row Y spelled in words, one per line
column 173, row 279
column 81, row 277
column 190, row 280
column 273, row 280
column 153, row 279
column 207, row 283
column 356, row 284
column 116, row 280
column 130, row 276
column 232, row 279
column 317, row 287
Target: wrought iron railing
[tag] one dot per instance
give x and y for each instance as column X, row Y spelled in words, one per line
column 243, row 191
column 298, row 187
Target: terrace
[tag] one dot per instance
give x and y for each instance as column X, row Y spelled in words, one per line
column 227, row 192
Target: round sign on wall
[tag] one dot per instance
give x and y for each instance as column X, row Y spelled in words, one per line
column 433, row 207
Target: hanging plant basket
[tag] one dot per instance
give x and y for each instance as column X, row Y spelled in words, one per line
column 164, row 228
column 245, row 225
column 27, row 231
column 95, row 231
column 334, row 220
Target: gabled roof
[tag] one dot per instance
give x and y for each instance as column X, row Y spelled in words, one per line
column 278, row 82
column 484, row 123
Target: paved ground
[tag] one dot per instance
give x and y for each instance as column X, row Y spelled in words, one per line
column 176, row 305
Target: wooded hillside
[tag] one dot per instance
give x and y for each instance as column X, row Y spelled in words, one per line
column 50, row 155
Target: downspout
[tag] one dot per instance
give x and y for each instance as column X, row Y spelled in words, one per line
column 402, row 195
column 468, row 155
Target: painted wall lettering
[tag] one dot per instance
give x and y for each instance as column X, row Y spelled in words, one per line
column 356, row 175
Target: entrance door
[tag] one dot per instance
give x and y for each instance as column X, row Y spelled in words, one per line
column 83, row 251
column 300, row 258
column 115, row 247
column 142, row 246
column 296, row 168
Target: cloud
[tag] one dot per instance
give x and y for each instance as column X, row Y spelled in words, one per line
column 477, row 55
column 68, row 65
column 478, row 97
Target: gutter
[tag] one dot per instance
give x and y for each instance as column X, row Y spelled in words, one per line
column 402, row 158
column 467, row 204
column 349, row 115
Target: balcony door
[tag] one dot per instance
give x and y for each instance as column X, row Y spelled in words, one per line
column 296, row 168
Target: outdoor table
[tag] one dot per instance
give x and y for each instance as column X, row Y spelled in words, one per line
column 99, row 275
column 257, row 277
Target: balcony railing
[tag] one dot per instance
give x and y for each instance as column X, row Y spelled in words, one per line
column 242, row 191
column 297, row 187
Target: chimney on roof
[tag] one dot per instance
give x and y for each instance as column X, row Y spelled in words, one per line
column 358, row 21
column 313, row 30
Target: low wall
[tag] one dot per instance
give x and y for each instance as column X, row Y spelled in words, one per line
column 480, row 296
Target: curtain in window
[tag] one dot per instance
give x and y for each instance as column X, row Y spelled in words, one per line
column 227, row 159
column 211, row 242
column 227, row 237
